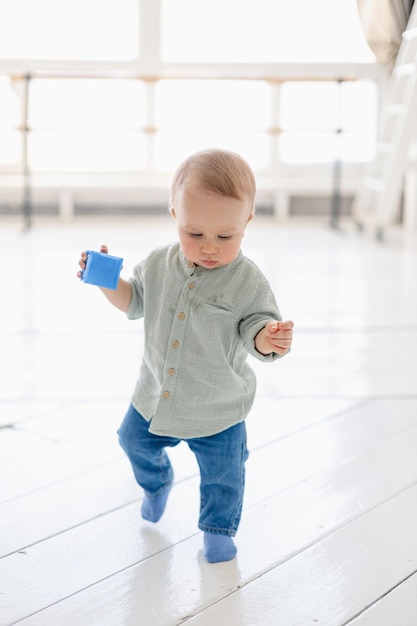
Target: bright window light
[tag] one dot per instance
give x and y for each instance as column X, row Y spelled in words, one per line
column 75, row 151
column 213, row 104
column 87, row 103
column 207, row 113
column 9, row 104
column 309, row 105
column 10, row 139
column 311, row 113
column 87, row 125
column 10, row 147
column 276, row 31
column 172, row 147
column 93, row 30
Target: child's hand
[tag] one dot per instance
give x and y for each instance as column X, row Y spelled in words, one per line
column 275, row 337
column 83, row 259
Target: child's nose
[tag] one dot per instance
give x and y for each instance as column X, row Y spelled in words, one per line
column 209, row 247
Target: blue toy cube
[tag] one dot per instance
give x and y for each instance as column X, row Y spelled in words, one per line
column 102, row 269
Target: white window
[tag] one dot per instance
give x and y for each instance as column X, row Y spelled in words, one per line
column 324, row 121
column 87, row 125
column 10, row 139
column 94, row 30
column 196, row 114
column 263, row 31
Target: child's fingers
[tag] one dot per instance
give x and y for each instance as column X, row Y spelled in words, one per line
column 83, row 259
column 282, row 342
column 276, row 326
column 280, row 335
column 82, row 263
column 287, row 325
column 272, row 327
column 281, row 347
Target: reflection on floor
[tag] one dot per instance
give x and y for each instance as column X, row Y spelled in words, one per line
column 328, row 535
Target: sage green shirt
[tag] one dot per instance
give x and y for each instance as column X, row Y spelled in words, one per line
column 200, row 325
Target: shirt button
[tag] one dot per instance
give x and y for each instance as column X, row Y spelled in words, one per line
column 181, row 316
column 175, row 344
column 171, row 371
column 190, row 264
column 166, row 394
column 191, row 285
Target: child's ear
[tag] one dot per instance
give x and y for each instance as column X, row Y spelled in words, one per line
column 172, row 213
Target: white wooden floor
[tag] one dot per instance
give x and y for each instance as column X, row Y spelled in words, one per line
column 329, row 529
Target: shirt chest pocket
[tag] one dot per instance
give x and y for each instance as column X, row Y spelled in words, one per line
column 216, row 323
column 212, row 309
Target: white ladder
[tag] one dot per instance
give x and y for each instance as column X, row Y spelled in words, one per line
column 377, row 202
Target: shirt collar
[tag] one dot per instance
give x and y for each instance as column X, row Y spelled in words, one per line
column 190, row 268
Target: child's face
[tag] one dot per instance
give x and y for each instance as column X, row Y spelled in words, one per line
column 210, row 226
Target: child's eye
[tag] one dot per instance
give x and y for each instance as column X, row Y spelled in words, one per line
column 225, row 236
column 195, row 234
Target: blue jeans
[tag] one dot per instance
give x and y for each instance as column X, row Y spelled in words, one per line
column 221, row 459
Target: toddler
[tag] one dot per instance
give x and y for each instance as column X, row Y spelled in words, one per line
column 205, row 308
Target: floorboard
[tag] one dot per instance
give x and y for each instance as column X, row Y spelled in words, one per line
column 399, row 606
column 328, row 530
column 334, row 579
column 327, row 501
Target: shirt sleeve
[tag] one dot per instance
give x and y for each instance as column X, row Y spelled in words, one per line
column 135, row 310
column 261, row 309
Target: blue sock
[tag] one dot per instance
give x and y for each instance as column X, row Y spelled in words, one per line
column 218, row 548
column 153, row 508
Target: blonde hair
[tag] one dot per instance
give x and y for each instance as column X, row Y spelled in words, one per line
column 218, row 171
